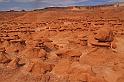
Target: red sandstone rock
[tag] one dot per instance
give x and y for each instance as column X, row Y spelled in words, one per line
column 14, row 63
column 104, row 35
column 61, row 68
column 3, row 57
column 69, row 52
column 36, row 38
column 37, row 67
column 103, row 38
column 35, row 53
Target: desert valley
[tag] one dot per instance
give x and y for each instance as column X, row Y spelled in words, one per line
column 62, row 45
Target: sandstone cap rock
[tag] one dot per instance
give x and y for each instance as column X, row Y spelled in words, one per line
column 104, row 35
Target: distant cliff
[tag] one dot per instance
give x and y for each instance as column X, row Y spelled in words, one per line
column 82, row 7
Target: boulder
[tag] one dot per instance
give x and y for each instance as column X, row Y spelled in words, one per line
column 102, row 38
column 104, row 35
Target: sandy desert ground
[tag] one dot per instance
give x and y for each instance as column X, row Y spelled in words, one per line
column 62, row 46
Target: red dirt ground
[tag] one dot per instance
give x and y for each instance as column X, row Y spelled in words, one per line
column 62, row 46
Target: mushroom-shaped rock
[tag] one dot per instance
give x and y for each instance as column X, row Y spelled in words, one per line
column 104, row 35
column 103, row 38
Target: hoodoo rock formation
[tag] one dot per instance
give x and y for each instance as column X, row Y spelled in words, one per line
column 104, row 37
column 62, row 45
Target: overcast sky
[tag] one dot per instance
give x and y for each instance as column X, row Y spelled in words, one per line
column 33, row 4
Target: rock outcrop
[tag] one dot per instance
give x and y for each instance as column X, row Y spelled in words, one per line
column 104, row 37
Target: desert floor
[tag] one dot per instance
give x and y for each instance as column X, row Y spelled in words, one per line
column 62, row 46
